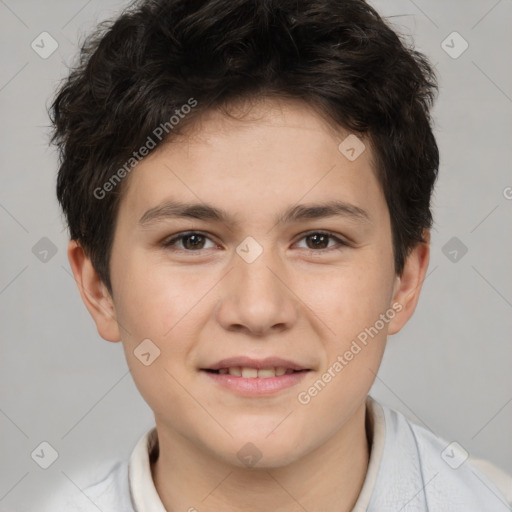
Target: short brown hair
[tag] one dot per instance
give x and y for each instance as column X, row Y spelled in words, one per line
column 339, row 56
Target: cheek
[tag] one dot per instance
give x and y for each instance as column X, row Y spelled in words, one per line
column 165, row 306
column 350, row 298
column 354, row 341
column 154, row 299
column 350, row 304
column 162, row 310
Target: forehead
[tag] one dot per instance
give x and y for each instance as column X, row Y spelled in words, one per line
column 255, row 159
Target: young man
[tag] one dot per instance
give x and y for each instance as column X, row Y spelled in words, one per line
column 247, row 186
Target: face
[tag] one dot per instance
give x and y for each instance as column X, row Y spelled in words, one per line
column 248, row 240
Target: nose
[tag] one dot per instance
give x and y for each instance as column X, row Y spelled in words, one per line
column 256, row 298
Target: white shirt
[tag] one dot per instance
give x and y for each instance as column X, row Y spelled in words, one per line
column 410, row 470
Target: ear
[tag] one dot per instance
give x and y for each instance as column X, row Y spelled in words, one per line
column 408, row 286
column 94, row 293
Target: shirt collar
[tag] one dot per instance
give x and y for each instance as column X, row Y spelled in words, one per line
column 142, row 488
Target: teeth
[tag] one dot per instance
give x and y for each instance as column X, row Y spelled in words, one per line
column 264, row 373
column 252, row 373
column 249, row 373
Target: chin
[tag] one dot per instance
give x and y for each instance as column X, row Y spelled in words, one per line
column 260, row 452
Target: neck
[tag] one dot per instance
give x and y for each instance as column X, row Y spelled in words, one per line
column 329, row 478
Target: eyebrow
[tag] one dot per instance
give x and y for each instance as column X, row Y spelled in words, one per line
column 176, row 209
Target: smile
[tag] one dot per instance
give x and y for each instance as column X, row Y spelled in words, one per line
column 248, row 381
column 253, row 373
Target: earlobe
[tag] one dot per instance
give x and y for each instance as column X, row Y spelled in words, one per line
column 94, row 293
column 408, row 285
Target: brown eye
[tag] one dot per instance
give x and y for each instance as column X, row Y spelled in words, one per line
column 318, row 241
column 193, row 241
column 188, row 241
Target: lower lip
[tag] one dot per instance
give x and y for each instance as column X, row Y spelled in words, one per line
column 256, row 386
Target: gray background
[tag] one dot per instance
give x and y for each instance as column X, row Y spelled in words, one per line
column 449, row 368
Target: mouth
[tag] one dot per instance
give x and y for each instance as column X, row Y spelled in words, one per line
column 248, row 372
column 250, row 377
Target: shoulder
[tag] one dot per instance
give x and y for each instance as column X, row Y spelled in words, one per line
column 501, row 479
column 108, row 490
column 422, row 471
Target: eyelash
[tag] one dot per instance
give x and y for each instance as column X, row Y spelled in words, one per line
column 340, row 243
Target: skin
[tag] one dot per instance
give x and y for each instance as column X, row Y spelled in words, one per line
column 296, row 301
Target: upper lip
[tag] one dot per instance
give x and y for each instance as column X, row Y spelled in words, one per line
column 248, row 362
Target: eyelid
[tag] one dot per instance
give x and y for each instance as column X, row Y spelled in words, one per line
column 341, row 242
column 169, row 242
